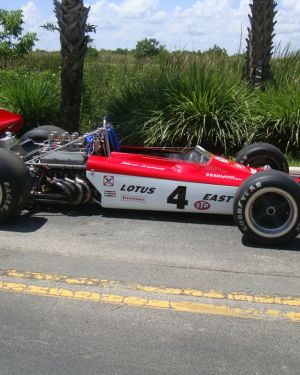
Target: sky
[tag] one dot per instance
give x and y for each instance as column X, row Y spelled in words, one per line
column 177, row 24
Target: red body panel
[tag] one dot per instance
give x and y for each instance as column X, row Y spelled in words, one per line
column 297, row 179
column 10, row 121
column 217, row 171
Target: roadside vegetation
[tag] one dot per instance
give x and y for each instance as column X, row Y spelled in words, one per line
column 179, row 98
column 153, row 96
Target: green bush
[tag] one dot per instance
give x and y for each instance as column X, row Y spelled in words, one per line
column 180, row 98
column 183, row 103
column 103, row 78
column 276, row 115
column 34, row 95
column 148, row 47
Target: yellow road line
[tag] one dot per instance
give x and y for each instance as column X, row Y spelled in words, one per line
column 215, row 294
column 188, row 307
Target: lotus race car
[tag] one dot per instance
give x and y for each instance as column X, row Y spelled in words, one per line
column 48, row 165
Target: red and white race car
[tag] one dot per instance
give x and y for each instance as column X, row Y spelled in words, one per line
column 49, row 165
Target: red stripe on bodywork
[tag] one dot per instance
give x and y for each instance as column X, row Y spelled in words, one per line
column 10, row 121
column 215, row 172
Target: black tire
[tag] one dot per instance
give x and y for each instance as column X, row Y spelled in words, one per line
column 41, row 133
column 266, row 208
column 263, row 154
column 15, row 184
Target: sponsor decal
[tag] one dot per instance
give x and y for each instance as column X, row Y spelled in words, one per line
column 244, row 168
column 138, row 189
column 143, row 166
column 110, row 193
column 202, row 205
column 251, row 190
column 108, row 181
column 242, row 202
column 240, row 166
column 222, row 160
column 129, row 198
column 218, row 198
column 7, row 201
column 224, row 177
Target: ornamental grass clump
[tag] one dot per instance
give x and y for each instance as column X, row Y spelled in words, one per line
column 203, row 107
column 35, row 96
column 133, row 104
column 185, row 103
column 277, row 117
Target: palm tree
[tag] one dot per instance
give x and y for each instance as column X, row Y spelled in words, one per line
column 260, row 43
column 71, row 17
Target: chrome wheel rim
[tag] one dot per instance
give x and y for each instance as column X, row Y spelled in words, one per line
column 271, row 212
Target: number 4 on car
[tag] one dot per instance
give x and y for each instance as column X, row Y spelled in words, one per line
column 50, row 166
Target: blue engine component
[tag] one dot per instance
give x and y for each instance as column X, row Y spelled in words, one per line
column 89, row 144
column 113, row 140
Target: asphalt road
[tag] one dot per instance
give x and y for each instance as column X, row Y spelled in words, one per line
column 91, row 291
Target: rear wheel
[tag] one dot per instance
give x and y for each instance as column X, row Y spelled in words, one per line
column 41, row 133
column 15, row 184
column 267, row 208
column 28, row 145
column 262, row 154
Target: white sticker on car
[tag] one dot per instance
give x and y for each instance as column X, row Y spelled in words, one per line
column 144, row 193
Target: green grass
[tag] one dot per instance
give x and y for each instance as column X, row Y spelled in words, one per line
column 293, row 161
column 177, row 99
column 35, row 95
column 183, row 103
column 277, row 117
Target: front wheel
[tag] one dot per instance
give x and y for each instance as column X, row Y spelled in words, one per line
column 267, row 208
column 262, row 154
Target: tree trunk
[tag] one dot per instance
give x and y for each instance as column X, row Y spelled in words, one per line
column 71, row 16
column 260, row 43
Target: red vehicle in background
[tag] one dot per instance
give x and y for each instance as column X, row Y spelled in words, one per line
column 10, row 122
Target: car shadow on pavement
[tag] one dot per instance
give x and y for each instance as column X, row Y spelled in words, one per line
column 190, row 218
column 24, row 223
column 36, row 217
column 292, row 245
column 89, row 210
column 172, row 217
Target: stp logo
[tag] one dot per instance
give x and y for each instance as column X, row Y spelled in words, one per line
column 202, row 205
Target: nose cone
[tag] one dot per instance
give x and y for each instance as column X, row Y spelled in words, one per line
column 10, row 121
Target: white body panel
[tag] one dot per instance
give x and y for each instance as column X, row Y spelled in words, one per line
column 142, row 193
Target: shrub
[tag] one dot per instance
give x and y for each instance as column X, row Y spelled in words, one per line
column 277, row 117
column 34, row 95
column 148, row 47
column 183, row 103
